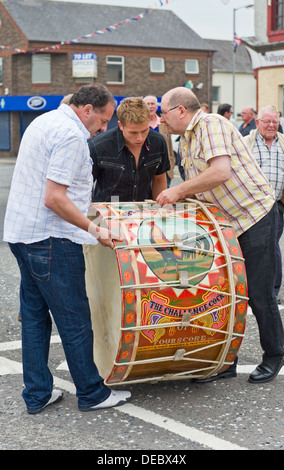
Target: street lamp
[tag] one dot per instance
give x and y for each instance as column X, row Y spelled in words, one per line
column 234, row 52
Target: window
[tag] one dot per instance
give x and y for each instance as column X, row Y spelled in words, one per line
column 1, row 71
column 157, row 65
column 275, row 21
column 191, row 66
column 216, row 94
column 5, row 130
column 278, row 15
column 41, row 68
column 115, row 69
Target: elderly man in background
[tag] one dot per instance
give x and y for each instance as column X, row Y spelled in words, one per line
column 248, row 124
column 267, row 146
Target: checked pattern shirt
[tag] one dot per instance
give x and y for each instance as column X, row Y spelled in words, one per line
column 247, row 196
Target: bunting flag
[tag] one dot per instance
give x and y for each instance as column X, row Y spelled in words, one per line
column 109, row 29
column 237, row 41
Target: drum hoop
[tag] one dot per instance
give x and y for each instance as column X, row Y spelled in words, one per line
column 231, row 283
column 137, row 293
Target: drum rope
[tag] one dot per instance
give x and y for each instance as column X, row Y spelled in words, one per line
column 181, row 356
column 172, row 358
column 177, row 283
column 173, row 245
column 181, row 323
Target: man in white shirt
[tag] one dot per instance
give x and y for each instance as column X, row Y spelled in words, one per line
column 46, row 224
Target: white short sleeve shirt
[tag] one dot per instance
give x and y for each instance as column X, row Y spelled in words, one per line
column 54, row 147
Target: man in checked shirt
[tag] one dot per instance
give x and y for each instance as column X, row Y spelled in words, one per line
column 220, row 169
column 267, row 146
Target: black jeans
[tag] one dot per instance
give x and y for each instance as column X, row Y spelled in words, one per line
column 258, row 245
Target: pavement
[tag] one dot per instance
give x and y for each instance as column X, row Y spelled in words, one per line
column 167, row 418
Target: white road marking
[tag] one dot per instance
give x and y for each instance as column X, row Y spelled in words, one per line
column 11, row 367
column 248, row 368
column 8, row 367
column 62, row 366
column 65, row 385
column 10, row 345
column 13, row 345
column 241, row 369
column 187, row 432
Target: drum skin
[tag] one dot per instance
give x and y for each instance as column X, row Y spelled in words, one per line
column 170, row 301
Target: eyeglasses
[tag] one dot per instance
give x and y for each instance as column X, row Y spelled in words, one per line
column 269, row 121
column 164, row 114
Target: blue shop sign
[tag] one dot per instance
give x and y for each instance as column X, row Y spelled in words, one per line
column 30, row 103
column 39, row 102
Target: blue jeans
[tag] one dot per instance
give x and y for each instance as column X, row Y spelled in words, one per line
column 259, row 250
column 53, row 280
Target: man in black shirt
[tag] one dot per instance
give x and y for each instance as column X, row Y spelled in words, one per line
column 131, row 160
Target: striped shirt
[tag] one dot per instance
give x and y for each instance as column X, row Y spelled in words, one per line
column 54, row 146
column 271, row 161
column 247, row 196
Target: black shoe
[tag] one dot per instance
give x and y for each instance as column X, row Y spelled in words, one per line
column 226, row 374
column 265, row 372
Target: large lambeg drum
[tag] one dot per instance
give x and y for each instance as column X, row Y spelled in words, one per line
column 170, row 300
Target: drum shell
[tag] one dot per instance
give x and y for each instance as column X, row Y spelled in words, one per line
column 144, row 328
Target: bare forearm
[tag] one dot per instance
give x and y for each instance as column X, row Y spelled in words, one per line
column 158, row 185
column 57, row 200
column 217, row 173
column 204, row 182
column 66, row 209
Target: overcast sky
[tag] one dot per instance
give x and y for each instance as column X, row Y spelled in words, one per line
column 208, row 18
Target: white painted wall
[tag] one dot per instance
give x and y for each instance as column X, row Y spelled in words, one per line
column 245, row 91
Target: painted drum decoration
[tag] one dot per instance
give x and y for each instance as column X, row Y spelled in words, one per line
column 170, row 300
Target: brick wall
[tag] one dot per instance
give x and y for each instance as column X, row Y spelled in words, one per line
column 139, row 81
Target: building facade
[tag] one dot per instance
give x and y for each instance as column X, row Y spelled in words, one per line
column 267, row 53
column 48, row 49
column 222, row 78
